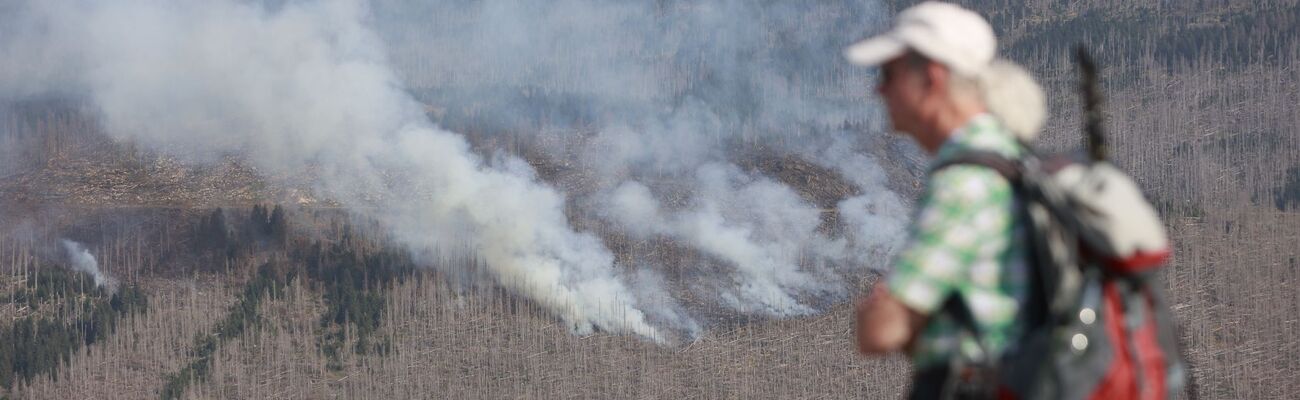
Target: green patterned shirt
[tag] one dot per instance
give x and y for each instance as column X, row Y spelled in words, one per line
column 967, row 239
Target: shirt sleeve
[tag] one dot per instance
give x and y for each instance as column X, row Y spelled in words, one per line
column 964, row 217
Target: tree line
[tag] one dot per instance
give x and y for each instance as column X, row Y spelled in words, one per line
column 81, row 315
column 215, row 237
column 352, row 274
column 270, row 280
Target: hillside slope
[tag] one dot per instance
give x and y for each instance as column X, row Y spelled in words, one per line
column 1202, row 102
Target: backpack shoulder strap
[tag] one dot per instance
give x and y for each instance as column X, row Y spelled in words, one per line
column 1004, row 166
column 1013, row 171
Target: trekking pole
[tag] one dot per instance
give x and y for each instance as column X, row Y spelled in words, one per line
column 1094, row 138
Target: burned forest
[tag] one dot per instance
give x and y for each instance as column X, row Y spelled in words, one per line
column 579, row 199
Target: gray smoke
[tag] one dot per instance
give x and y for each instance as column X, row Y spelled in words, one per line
column 82, row 260
column 661, row 91
column 670, row 89
column 305, row 85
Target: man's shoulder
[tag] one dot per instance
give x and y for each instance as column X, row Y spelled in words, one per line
column 984, row 134
column 968, row 184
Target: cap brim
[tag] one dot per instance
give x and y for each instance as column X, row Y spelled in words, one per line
column 875, row 51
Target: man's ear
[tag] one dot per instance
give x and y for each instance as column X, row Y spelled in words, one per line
column 936, row 79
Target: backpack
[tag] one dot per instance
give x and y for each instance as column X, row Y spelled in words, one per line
column 1095, row 322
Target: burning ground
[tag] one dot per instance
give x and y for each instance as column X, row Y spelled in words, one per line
column 226, row 291
column 660, row 206
column 612, row 128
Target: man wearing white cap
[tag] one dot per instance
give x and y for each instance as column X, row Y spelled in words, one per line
column 966, row 245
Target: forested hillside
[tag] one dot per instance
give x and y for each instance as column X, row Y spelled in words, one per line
column 129, row 272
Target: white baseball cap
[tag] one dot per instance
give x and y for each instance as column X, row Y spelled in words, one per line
column 943, row 32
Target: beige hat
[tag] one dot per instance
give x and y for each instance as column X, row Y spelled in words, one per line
column 943, row 32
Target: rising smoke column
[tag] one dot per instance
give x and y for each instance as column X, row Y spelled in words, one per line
column 298, row 85
column 82, row 260
column 292, row 86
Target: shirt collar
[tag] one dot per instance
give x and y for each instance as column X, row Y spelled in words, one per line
column 959, row 139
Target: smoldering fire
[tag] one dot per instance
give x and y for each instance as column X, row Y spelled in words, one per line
column 81, row 260
column 290, row 86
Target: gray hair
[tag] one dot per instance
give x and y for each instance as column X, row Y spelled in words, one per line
column 1008, row 91
column 1012, row 95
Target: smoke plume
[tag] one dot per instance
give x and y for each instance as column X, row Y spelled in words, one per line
column 659, row 91
column 83, row 261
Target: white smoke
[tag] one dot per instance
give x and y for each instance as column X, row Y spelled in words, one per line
column 308, row 85
column 83, row 261
column 876, row 219
column 673, row 86
column 760, row 227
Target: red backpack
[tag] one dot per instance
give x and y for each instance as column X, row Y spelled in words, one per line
column 1096, row 325
column 1095, row 322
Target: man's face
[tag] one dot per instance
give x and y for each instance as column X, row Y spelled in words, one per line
column 903, row 88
